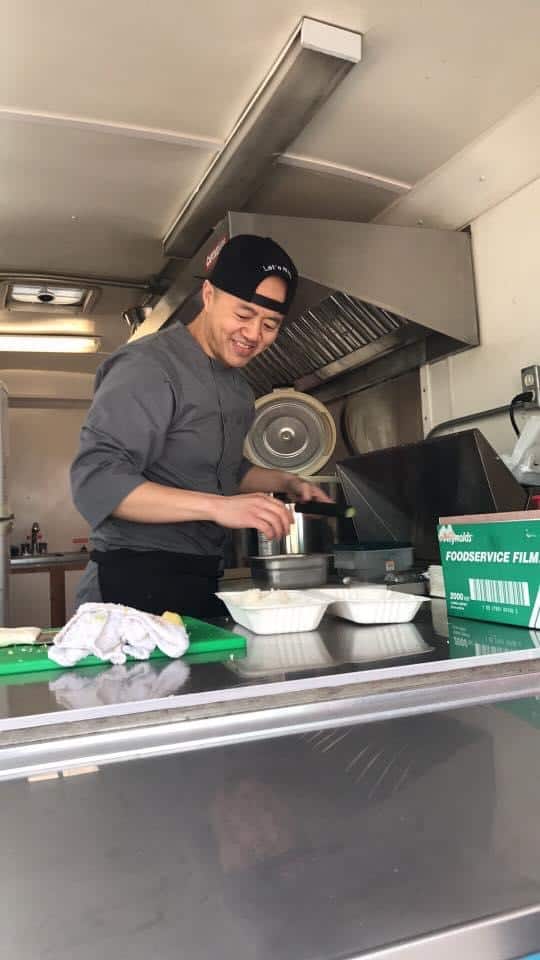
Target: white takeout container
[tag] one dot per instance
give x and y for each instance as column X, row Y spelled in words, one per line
column 370, row 604
column 436, row 581
column 299, row 612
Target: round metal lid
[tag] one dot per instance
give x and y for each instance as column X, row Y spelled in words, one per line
column 291, row 431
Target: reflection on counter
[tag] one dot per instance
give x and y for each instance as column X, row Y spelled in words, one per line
column 439, row 616
column 476, row 638
column 275, row 656
column 76, row 689
column 527, row 709
column 268, row 656
column 380, row 766
column 385, row 642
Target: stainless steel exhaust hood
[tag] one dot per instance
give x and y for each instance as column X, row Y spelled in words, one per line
column 366, row 290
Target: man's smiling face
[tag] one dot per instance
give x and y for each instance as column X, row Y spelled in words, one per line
column 233, row 330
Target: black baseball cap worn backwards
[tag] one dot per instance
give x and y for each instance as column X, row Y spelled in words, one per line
column 245, row 261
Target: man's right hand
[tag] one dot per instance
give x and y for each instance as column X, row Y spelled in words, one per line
column 253, row 510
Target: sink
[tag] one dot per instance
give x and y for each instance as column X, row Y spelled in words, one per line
column 46, row 559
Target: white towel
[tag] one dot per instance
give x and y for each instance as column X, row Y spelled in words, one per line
column 113, row 632
column 18, row 635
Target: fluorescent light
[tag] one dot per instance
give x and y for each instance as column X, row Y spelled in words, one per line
column 311, row 65
column 48, row 343
column 64, row 326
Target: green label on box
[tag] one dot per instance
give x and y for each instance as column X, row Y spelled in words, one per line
column 492, row 570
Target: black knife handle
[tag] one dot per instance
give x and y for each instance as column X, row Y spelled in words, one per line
column 317, row 509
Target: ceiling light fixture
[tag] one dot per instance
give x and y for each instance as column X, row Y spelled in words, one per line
column 47, row 293
column 309, row 68
column 48, row 343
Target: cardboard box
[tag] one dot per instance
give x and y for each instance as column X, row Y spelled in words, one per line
column 491, row 568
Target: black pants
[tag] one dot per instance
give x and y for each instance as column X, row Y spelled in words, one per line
column 155, row 581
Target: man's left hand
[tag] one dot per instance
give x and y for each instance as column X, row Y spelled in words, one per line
column 302, row 491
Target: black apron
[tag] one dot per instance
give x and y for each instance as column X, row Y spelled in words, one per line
column 158, row 580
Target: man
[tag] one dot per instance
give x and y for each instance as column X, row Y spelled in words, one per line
column 160, row 472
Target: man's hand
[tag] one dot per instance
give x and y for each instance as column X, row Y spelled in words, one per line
column 261, row 480
column 255, row 510
column 302, row 491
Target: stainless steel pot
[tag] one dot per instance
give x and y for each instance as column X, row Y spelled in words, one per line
column 308, row 535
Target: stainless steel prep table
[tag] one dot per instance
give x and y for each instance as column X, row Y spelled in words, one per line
column 339, row 673
column 339, row 808
column 413, row 838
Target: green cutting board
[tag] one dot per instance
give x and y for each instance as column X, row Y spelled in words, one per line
column 206, row 644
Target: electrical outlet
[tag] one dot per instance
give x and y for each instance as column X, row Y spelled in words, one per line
column 530, row 380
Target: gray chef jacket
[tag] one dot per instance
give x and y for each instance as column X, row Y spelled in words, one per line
column 162, row 411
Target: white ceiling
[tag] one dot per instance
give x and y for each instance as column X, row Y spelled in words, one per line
column 497, row 164
column 75, row 78
column 434, row 76
column 174, row 64
column 120, row 191
column 296, row 193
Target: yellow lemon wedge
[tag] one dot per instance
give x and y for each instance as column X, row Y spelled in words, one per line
column 172, row 618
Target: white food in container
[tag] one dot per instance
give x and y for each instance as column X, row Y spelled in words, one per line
column 266, row 598
column 370, row 604
column 275, row 611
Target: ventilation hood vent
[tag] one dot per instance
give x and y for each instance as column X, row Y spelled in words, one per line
column 338, row 334
column 365, row 291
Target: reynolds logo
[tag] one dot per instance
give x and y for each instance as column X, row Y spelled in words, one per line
column 448, row 535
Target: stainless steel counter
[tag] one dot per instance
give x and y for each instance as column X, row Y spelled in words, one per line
column 338, row 674
column 413, row 838
column 75, row 558
column 322, row 798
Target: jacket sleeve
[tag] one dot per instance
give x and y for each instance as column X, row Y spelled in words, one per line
column 245, row 467
column 125, row 431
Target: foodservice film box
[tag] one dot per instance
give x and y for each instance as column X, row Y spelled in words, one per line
column 491, row 567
